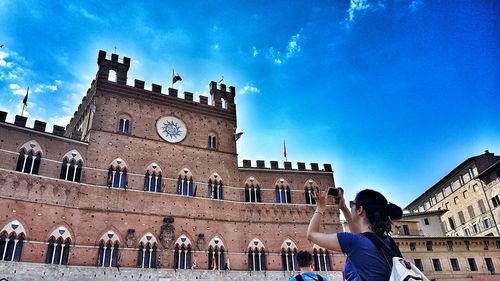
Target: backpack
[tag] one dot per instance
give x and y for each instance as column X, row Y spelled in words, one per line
column 300, row 278
column 401, row 269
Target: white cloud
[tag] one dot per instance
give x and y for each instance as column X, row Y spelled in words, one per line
column 249, row 89
column 3, row 62
column 17, row 90
column 293, row 46
column 415, row 5
column 255, row 52
column 275, row 55
column 356, row 7
column 42, row 87
column 137, row 62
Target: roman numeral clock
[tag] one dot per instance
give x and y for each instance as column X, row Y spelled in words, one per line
column 171, row 129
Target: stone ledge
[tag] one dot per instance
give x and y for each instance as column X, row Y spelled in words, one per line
column 21, row 271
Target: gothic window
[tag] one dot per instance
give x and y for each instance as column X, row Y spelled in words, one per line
column 289, row 256
column 124, row 126
column 11, row 241
column 71, row 168
column 282, row 192
column 117, row 174
column 182, row 253
column 256, row 256
column 152, row 178
column 59, row 246
column 147, row 253
column 252, row 190
column 185, row 183
column 321, row 259
column 309, row 188
column 215, row 187
column 29, row 158
column 212, row 141
column 216, row 259
column 109, row 250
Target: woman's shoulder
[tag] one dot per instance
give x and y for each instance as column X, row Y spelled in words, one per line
column 349, row 241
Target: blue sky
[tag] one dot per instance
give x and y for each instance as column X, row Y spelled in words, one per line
column 393, row 93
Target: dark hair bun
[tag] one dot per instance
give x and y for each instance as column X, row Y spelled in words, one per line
column 394, row 211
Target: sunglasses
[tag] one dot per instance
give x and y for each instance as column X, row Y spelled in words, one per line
column 352, row 204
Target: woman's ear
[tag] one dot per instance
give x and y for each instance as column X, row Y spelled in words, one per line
column 360, row 211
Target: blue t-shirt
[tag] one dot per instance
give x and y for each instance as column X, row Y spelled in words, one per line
column 309, row 276
column 363, row 258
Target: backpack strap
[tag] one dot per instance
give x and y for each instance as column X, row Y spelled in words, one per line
column 387, row 252
column 299, row 277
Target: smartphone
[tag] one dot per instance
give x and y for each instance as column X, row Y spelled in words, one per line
column 332, row 191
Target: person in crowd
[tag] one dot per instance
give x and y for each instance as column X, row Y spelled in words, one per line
column 305, row 262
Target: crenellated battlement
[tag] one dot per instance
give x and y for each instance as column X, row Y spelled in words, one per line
column 301, row 166
column 40, row 126
column 220, row 96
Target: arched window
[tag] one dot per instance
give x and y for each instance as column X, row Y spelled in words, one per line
column 29, row 158
column 124, row 126
column 216, row 259
column 289, row 256
column 252, row 190
column 71, row 168
column 112, row 75
column 182, row 253
column 11, row 241
column 152, row 178
column 147, row 253
column 117, row 174
column 215, row 187
column 309, row 187
column 321, row 259
column 58, row 249
column 185, row 183
column 109, row 250
column 282, row 192
column 256, row 256
column 212, row 141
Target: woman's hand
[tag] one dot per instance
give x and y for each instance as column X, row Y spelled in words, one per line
column 320, row 197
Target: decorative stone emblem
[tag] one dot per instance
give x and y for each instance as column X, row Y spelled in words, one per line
column 167, row 232
column 130, row 238
column 171, row 129
column 200, row 242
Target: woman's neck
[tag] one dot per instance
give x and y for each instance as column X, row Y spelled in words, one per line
column 365, row 227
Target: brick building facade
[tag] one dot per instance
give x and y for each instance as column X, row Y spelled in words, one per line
column 145, row 179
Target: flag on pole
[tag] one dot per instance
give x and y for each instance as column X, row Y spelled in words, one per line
column 175, row 77
column 284, row 149
column 25, row 100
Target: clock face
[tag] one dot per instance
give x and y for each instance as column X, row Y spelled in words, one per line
column 171, row 129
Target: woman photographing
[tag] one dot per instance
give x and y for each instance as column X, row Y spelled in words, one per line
column 369, row 217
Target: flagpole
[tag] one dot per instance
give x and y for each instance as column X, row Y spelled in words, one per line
column 173, row 74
